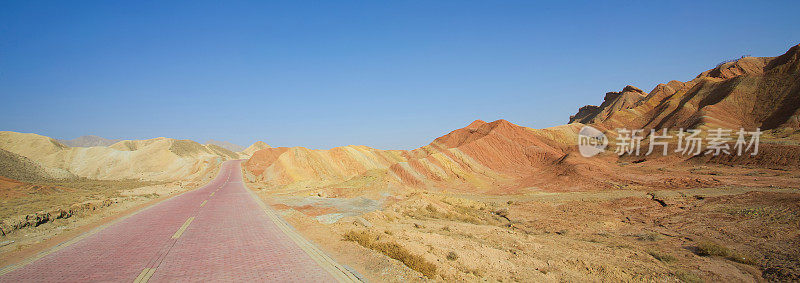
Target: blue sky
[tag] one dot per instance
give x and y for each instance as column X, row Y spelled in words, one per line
column 392, row 75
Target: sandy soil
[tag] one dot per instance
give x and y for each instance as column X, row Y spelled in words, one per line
column 743, row 227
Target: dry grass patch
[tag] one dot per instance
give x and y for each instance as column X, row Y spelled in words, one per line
column 709, row 248
column 662, row 256
column 647, row 237
column 392, row 250
column 688, row 276
column 461, row 213
column 59, row 195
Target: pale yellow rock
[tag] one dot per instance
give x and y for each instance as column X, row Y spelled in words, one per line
column 259, row 145
column 158, row 159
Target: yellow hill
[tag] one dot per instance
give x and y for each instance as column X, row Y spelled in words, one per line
column 159, row 159
column 259, row 145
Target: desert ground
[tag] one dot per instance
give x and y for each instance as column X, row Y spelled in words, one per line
column 743, row 228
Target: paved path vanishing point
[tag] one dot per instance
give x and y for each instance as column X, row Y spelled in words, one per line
column 220, row 232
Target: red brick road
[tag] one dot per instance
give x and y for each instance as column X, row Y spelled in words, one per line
column 229, row 238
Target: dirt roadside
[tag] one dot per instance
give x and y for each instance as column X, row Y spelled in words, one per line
column 30, row 241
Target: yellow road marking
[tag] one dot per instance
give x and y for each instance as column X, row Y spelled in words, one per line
column 148, row 275
column 204, row 203
column 141, row 275
column 212, row 194
column 183, row 228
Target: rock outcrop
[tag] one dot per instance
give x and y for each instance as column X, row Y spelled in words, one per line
column 751, row 92
column 629, row 97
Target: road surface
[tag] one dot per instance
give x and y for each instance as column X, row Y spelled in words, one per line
column 220, row 232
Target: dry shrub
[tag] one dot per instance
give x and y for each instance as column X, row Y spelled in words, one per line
column 688, row 276
column 713, row 249
column 361, row 237
column 461, row 213
column 664, row 257
column 452, row 256
column 392, row 250
column 648, row 237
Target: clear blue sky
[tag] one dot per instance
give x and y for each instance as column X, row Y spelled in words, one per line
column 329, row 73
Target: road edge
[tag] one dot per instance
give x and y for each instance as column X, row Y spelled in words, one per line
column 338, row 271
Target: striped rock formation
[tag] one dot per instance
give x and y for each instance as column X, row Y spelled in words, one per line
column 494, row 157
column 750, row 92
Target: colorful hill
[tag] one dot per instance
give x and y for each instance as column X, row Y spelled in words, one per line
column 501, row 157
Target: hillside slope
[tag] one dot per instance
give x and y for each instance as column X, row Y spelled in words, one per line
column 226, row 145
column 159, row 159
column 20, row 168
column 256, row 146
column 496, row 157
column 89, row 141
